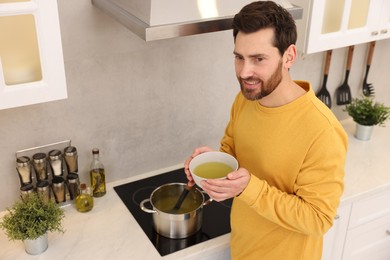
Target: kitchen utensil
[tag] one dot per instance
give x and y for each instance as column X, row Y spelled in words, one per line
column 179, row 224
column 343, row 93
column 182, row 197
column 211, row 157
column 368, row 88
column 323, row 94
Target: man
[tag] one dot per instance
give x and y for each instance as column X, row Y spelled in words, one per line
column 290, row 147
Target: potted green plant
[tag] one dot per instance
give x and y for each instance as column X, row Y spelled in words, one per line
column 367, row 113
column 30, row 219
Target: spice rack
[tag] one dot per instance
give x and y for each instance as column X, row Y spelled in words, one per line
column 50, row 169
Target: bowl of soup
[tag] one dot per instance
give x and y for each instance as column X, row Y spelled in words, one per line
column 212, row 165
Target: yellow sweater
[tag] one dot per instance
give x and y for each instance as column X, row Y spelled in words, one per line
column 295, row 154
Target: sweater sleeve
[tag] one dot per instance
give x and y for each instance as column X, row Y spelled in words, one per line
column 317, row 190
column 227, row 142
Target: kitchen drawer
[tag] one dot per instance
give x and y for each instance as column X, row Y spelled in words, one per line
column 369, row 209
column 369, row 241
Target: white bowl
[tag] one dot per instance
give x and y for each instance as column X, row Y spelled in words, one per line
column 214, row 156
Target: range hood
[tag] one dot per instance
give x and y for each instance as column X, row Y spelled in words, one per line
column 163, row 19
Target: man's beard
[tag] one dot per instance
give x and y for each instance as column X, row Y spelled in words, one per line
column 266, row 87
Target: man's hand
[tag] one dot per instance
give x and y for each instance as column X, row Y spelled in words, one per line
column 233, row 185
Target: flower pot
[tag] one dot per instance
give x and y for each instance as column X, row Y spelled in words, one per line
column 363, row 132
column 36, row 246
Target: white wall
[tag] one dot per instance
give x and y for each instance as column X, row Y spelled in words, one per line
column 146, row 105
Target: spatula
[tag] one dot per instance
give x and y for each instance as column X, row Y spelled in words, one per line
column 343, row 93
column 368, row 88
column 323, row 94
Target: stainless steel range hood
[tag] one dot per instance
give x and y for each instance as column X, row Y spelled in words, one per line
column 163, row 19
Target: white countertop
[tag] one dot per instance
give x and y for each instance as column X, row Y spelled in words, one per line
column 109, row 231
column 367, row 169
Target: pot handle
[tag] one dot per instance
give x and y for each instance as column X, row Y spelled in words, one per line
column 207, row 202
column 142, row 205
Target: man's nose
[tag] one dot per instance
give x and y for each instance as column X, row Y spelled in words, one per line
column 246, row 70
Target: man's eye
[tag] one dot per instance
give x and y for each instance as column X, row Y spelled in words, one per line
column 259, row 59
column 237, row 57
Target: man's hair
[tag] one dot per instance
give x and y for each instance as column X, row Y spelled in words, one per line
column 266, row 14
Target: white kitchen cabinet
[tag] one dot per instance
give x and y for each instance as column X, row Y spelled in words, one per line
column 331, row 24
column 368, row 235
column 361, row 230
column 334, row 238
column 31, row 60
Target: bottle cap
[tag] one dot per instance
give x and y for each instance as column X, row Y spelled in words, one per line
column 42, row 185
column 39, row 157
column 83, row 186
column 23, row 161
column 95, row 150
column 70, row 151
column 27, row 188
column 72, row 177
column 55, row 155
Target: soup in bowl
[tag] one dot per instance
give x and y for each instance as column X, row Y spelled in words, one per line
column 212, row 165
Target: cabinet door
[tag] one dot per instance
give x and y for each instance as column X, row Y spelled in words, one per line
column 31, row 61
column 339, row 23
column 335, row 237
column 369, row 241
column 369, row 228
column 383, row 29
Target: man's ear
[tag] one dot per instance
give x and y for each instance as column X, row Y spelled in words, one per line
column 290, row 55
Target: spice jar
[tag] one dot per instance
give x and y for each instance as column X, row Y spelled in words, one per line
column 39, row 163
column 59, row 189
column 26, row 190
column 73, row 185
column 84, row 201
column 70, row 155
column 43, row 189
column 23, row 166
column 55, row 157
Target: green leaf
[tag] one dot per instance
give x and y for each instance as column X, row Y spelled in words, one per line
column 32, row 217
column 366, row 111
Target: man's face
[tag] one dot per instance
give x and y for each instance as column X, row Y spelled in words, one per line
column 258, row 64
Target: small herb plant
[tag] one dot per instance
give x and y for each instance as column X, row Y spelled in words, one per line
column 31, row 218
column 365, row 111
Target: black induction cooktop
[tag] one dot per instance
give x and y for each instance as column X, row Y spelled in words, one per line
column 216, row 215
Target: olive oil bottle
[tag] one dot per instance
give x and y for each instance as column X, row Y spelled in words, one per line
column 84, row 201
column 97, row 174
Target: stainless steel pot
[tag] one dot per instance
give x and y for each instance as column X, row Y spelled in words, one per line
column 170, row 222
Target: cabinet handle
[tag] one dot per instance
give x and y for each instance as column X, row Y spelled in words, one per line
column 383, row 31
column 337, row 217
column 388, row 232
column 374, row 33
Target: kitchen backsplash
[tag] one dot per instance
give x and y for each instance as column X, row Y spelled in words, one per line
column 146, row 105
